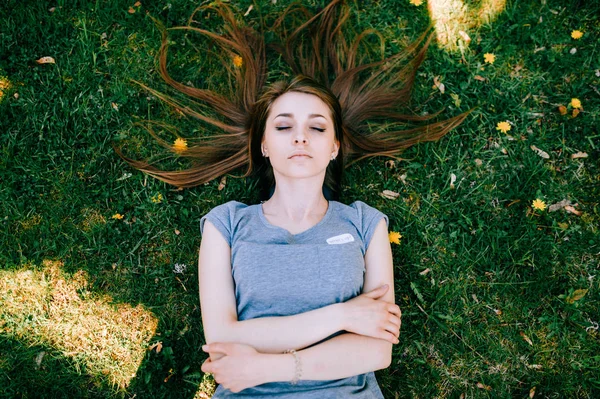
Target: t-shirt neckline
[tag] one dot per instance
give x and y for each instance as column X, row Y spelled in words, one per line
column 319, row 223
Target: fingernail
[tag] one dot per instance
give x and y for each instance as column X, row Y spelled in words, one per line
column 204, row 347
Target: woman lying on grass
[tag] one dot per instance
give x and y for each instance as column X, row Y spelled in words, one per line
column 297, row 292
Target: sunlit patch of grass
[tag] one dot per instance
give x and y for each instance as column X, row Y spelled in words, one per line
column 48, row 307
column 30, row 222
column 451, row 17
column 91, row 219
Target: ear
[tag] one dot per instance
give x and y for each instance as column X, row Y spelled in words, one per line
column 336, row 147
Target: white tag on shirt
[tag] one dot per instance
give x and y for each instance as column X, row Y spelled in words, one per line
column 341, row 239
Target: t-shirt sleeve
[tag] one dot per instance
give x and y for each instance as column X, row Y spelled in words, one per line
column 369, row 218
column 222, row 217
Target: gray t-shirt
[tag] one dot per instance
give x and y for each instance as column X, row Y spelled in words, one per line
column 277, row 273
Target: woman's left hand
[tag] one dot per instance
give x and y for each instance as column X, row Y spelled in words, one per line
column 238, row 369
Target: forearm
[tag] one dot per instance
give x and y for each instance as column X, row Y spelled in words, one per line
column 343, row 356
column 277, row 334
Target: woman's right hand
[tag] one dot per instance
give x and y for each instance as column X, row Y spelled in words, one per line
column 369, row 316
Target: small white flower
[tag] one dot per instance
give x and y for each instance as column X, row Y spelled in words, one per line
column 179, row 268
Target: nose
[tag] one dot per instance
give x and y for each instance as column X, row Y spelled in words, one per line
column 300, row 137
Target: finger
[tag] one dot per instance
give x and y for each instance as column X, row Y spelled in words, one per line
column 220, row 347
column 378, row 292
column 394, row 329
column 206, row 366
column 388, row 336
column 395, row 309
column 395, row 321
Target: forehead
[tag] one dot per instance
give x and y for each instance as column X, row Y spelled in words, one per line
column 299, row 104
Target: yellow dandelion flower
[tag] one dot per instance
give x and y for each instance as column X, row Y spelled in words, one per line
column 416, row 2
column 538, row 204
column 489, row 58
column 180, row 145
column 117, row 216
column 238, row 61
column 503, row 126
column 394, row 237
column 576, row 34
column 157, row 198
column 575, row 103
column 4, row 85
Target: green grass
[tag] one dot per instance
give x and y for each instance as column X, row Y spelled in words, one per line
column 477, row 270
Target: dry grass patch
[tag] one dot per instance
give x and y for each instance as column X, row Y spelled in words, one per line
column 454, row 18
column 48, row 307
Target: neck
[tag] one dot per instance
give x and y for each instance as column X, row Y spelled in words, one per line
column 297, row 200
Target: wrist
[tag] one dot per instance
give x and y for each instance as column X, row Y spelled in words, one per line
column 340, row 315
column 277, row 368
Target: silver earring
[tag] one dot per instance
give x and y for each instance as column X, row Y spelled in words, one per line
column 332, row 157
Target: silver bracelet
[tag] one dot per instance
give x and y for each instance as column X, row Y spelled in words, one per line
column 298, row 366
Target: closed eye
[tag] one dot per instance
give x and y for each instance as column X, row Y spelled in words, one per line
column 282, row 127
column 318, row 129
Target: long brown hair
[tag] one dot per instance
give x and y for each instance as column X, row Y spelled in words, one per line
column 368, row 97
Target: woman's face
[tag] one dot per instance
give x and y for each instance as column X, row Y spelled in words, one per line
column 299, row 136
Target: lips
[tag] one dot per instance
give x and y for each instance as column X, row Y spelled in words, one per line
column 300, row 155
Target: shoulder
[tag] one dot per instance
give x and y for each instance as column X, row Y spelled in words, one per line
column 228, row 208
column 225, row 217
column 364, row 217
column 361, row 212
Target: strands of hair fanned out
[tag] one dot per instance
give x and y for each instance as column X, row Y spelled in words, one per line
column 374, row 95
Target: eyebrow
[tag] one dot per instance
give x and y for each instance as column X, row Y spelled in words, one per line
column 310, row 116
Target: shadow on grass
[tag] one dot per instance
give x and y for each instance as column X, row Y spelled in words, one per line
column 40, row 371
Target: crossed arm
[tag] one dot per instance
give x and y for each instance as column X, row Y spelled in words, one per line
column 339, row 357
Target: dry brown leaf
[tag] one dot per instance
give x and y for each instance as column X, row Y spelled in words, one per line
column 52, row 9
column 222, row 183
column 389, row 194
column 390, row 163
column 541, row 153
column 475, row 298
column 576, row 295
column 480, row 78
column 579, row 155
column 115, row 106
column 403, row 178
column 177, row 232
column 575, row 112
column 526, row 338
column 452, row 180
column 46, row 60
column 157, row 346
column 464, row 36
column 137, row 4
column 478, row 162
column 438, row 84
column 248, row 11
column 531, row 393
column 559, row 205
column 38, row 359
column 572, row 210
column 562, row 109
column 424, row 272
column 483, row 386
column 535, row 366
